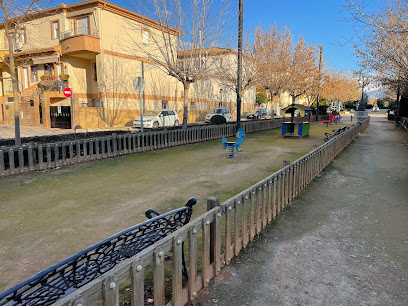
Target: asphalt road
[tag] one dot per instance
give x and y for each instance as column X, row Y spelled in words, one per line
column 343, row 241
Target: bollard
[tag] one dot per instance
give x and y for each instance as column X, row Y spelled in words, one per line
column 351, row 118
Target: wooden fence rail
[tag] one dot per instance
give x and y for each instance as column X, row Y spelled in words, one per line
column 36, row 157
column 220, row 234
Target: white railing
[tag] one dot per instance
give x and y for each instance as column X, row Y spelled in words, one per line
column 79, row 31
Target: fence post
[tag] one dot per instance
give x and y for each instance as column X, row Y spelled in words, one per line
column 21, row 157
column 177, row 271
column 192, row 271
column 31, row 166
column 212, row 202
column 110, row 292
column 158, row 277
column 137, row 280
column 258, row 209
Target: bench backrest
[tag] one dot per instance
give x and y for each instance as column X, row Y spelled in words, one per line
column 76, row 271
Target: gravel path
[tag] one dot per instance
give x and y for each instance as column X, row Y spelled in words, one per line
column 343, row 241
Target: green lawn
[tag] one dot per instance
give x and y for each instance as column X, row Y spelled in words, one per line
column 47, row 216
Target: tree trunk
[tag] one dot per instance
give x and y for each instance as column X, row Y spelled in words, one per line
column 293, row 99
column 185, row 104
column 16, row 98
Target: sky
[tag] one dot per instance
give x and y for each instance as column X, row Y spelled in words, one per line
column 320, row 22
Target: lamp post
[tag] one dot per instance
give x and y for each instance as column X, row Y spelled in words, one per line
column 364, row 81
column 320, row 80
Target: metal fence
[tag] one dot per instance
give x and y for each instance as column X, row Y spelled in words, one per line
column 50, row 285
column 217, row 236
column 36, row 157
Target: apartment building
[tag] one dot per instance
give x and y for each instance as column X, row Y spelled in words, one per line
column 85, row 46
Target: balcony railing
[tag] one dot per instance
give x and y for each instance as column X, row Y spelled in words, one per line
column 79, row 31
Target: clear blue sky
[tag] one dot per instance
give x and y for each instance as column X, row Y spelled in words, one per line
column 318, row 21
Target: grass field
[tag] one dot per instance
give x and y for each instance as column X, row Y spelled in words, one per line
column 48, row 216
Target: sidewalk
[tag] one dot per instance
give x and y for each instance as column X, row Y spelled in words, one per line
column 7, row 131
column 343, row 241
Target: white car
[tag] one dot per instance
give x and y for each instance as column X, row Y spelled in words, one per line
column 158, row 118
column 224, row 112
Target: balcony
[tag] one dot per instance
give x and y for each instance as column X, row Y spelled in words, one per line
column 80, row 41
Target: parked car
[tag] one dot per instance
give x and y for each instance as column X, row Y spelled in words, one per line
column 223, row 112
column 158, row 118
column 257, row 113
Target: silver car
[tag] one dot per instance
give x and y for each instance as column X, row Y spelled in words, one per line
column 224, row 112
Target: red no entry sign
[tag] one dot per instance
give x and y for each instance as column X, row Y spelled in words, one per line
column 67, row 92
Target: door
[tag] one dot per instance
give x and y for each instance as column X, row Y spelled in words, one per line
column 164, row 118
column 26, row 82
column 170, row 118
column 60, row 117
column 83, row 25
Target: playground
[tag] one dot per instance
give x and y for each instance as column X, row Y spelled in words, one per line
column 47, row 216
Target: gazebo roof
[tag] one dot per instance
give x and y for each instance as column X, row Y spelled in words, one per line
column 307, row 109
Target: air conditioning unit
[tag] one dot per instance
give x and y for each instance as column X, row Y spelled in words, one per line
column 19, row 46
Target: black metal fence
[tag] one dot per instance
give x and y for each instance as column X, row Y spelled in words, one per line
column 36, row 157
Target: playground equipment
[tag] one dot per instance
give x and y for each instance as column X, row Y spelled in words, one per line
column 292, row 129
column 333, row 118
column 234, row 145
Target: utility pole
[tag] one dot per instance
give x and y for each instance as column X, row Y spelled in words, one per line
column 396, row 111
column 239, row 79
column 320, row 80
column 200, row 40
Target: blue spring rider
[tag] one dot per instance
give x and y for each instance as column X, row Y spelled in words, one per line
column 231, row 145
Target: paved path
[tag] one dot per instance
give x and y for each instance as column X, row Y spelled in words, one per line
column 7, row 131
column 343, row 241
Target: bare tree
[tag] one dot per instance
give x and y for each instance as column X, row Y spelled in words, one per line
column 254, row 57
column 187, row 34
column 382, row 40
column 303, row 69
column 277, row 45
column 14, row 14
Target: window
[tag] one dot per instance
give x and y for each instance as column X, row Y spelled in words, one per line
column 94, row 72
column 34, row 74
column 22, row 36
column 97, row 103
column 25, row 76
column 82, row 25
column 49, row 69
column 165, row 104
column 59, row 68
column 193, row 105
column 9, row 87
column 145, row 37
column 91, row 103
column 55, row 29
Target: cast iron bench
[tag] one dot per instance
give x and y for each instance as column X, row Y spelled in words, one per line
column 50, row 285
column 400, row 124
column 329, row 136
